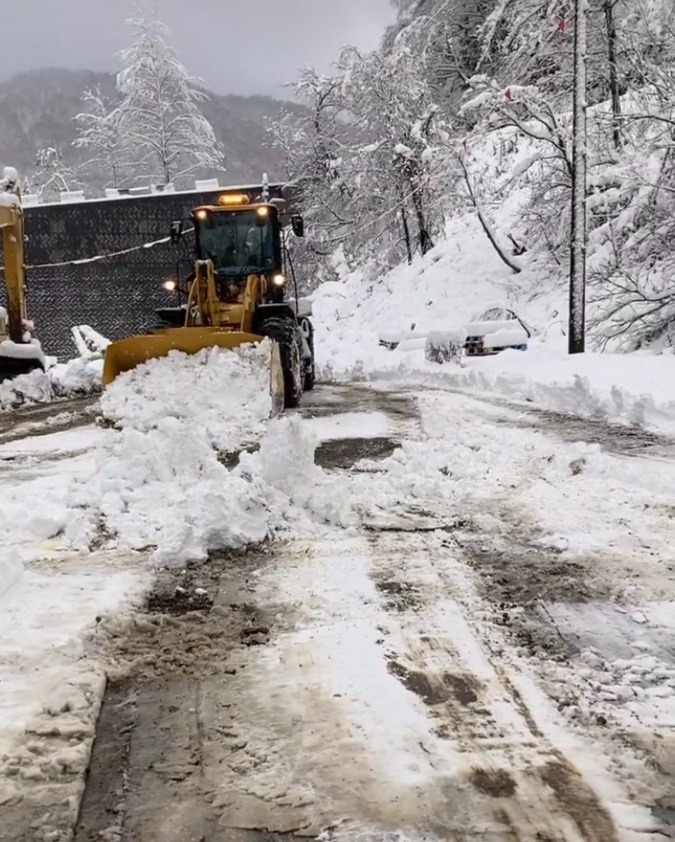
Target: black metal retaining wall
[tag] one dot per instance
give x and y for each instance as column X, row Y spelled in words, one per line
column 116, row 297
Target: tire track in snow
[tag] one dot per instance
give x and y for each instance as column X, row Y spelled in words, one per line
column 56, row 416
column 536, row 790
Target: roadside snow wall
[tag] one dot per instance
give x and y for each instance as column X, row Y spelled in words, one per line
column 454, row 285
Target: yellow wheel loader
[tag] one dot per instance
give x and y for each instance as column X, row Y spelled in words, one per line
column 236, row 294
column 20, row 352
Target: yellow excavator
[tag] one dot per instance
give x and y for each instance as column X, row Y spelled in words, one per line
column 236, row 294
column 20, row 352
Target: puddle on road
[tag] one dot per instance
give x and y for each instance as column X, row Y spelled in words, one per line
column 395, row 410
column 345, row 453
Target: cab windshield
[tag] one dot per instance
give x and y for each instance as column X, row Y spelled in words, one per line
column 239, row 243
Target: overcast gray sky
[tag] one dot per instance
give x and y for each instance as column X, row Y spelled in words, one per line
column 236, row 46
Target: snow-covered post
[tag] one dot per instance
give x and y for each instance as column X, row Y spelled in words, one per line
column 577, row 325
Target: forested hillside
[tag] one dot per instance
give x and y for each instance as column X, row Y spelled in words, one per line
column 466, row 109
column 38, row 110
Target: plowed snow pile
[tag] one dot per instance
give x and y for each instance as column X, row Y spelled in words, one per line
column 223, row 395
column 164, row 479
column 77, row 377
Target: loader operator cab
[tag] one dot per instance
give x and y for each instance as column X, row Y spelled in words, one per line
column 239, row 241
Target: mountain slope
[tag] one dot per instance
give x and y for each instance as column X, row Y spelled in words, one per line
column 37, row 110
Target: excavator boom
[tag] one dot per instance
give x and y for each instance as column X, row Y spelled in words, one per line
column 19, row 352
column 11, row 223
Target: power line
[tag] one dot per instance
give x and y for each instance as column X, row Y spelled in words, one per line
column 100, row 257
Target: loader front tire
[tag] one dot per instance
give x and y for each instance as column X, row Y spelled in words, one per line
column 284, row 332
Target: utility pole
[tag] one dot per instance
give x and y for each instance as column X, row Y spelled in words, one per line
column 577, row 319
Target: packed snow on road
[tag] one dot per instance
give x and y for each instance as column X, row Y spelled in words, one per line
column 417, row 608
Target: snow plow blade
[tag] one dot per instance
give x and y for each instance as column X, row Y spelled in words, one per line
column 129, row 353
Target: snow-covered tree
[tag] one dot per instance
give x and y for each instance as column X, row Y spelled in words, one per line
column 51, row 175
column 399, row 122
column 159, row 112
column 632, row 262
column 366, row 153
column 468, row 107
column 101, row 134
column 313, row 143
column 445, row 36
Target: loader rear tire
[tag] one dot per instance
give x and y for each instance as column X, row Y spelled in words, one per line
column 284, row 332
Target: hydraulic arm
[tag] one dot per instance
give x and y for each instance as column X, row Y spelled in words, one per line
column 19, row 351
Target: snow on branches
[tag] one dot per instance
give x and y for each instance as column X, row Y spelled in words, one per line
column 159, row 110
column 154, row 128
column 368, row 154
column 468, row 107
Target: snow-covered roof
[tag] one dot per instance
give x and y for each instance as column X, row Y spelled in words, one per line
column 201, row 186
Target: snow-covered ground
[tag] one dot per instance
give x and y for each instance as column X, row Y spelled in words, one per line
column 50, row 598
column 524, row 535
column 428, row 575
column 455, row 284
column 79, row 509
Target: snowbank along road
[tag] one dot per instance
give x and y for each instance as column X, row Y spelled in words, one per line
column 463, row 629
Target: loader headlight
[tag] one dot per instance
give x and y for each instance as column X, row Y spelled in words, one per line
column 170, row 285
column 278, row 280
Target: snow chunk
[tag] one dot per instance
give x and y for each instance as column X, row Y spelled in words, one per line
column 89, row 342
column 34, row 387
column 287, row 459
column 77, row 377
column 166, row 488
